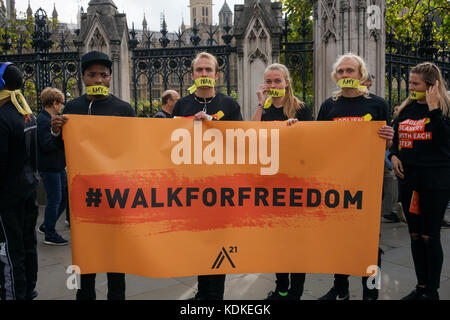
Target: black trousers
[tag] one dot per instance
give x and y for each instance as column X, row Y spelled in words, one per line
column 297, row 281
column 427, row 253
column 116, row 286
column 18, row 254
column 432, row 203
column 341, row 280
column 211, row 287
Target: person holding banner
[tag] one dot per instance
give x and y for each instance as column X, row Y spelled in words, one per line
column 204, row 103
column 353, row 103
column 18, row 185
column 96, row 76
column 420, row 157
column 278, row 103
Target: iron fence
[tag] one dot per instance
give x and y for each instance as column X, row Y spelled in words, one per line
column 166, row 63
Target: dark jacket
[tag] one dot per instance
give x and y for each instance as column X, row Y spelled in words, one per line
column 50, row 152
column 18, row 180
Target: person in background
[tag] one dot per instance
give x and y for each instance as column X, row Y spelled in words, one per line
column 51, row 163
column 169, row 99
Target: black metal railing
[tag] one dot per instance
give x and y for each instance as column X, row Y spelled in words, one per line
column 50, row 63
column 166, row 63
column 403, row 55
column 298, row 57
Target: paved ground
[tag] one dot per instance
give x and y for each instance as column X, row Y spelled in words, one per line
column 398, row 277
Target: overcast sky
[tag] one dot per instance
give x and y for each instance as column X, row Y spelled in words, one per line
column 173, row 10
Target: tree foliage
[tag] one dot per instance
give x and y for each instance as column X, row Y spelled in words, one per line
column 407, row 17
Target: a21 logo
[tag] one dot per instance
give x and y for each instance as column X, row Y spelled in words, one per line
column 222, row 255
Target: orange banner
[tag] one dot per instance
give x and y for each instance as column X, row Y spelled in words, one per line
column 177, row 197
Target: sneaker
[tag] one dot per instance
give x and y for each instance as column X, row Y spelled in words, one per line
column 41, row 229
column 430, row 295
column 275, row 295
column 56, row 240
column 391, row 217
column 33, row 295
column 445, row 224
column 294, row 296
column 196, row 297
column 333, row 294
column 416, row 294
column 401, row 213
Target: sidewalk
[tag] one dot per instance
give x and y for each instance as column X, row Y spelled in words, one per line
column 398, row 276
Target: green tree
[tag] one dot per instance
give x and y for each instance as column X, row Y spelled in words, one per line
column 407, row 17
column 404, row 17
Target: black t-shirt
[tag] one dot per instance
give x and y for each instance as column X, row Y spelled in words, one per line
column 110, row 106
column 188, row 106
column 162, row 114
column 276, row 114
column 356, row 109
column 422, row 137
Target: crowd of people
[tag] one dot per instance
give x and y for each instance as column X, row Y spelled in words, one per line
column 417, row 166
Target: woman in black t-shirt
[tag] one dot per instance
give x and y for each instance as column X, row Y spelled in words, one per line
column 278, row 103
column 420, row 157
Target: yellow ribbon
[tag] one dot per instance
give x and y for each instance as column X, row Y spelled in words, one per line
column 25, row 110
column 276, row 93
column 202, row 82
column 349, row 83
column 97, row 90
column 417, row 95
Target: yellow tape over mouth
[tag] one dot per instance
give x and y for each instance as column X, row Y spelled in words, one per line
column 202, row 82
column 97, row 90
column 349, row 83
column 273, row 93
column 417, row 95
column 276, row 93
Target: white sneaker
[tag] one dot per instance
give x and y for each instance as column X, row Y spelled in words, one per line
column 401, row 213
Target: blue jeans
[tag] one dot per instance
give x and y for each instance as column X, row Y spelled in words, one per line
column 55, row 184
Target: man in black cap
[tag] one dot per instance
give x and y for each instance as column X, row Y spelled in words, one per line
column 96, row 76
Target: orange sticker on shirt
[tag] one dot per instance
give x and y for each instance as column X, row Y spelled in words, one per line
column 414, row 206
column 410, row 130
column 367, row 117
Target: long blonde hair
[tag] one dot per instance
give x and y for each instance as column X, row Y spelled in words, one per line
column 291, row 104
column 362, row 71
column 429, row 73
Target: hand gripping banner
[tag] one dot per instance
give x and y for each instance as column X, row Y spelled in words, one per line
column 177, row 197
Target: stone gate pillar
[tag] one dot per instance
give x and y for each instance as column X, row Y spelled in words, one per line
column 342, row 26
column 257, row 30
column 104, row 29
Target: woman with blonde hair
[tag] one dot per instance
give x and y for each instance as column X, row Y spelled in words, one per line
column 420, row 157
column 278, row 103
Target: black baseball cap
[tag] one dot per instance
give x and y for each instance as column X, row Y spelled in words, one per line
column 95, row 57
